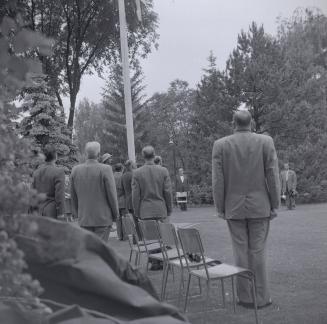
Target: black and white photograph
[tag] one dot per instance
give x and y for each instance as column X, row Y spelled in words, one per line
column 163, row 162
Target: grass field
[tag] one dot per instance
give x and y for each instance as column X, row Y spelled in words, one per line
column 297, row 263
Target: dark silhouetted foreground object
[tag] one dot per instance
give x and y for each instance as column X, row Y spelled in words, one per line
column 76, row 267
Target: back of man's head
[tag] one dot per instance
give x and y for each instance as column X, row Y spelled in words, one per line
column 148, row 153
column 50, row 153
column 118, row 167
column 158, row 160
column 242, row 119
column 92, row 150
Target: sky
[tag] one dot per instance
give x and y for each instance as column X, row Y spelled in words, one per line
column 190, row 29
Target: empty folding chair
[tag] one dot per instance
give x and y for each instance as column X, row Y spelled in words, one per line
column 169, row 238
column 136, row 246
column 192, row 245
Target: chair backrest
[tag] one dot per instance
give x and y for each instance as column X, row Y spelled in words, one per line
column 129, row 230
column 168, row 235
column 192, row 245
column 169, row 240
column 128, row 225
column 149, row 230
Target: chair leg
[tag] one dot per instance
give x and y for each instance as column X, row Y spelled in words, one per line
column 254, row 295
column 181, row 284
column 164, row 280
column 233, row 292
column 187, row 292
column 223, row 292
column 130, row 255
column 200, row 286
column 207, row 302
column 136, row 257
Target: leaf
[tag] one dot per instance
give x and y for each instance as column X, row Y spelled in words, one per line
column 7, row 26
column 34, row 66
column 17, row 68
column 24, row 40
column 4, row 56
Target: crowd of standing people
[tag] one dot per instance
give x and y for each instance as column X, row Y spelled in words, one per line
column 246, row 191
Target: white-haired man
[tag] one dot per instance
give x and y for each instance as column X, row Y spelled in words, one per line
column 93, row 193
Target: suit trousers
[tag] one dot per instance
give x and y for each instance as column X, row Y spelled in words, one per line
column 101, row 231
column 249, row 237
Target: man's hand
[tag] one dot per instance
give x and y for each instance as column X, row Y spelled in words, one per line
column 221, row 215
column 114, row 227
column 273, row 214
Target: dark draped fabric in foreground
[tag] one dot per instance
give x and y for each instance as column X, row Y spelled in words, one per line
column 76, row 267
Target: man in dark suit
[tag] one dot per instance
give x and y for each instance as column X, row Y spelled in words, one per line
column 121, row 198
column 151, row 189
column 246, row 191
column 93, row 193
column 288, row 183
column 50, row 180
column 182, row 186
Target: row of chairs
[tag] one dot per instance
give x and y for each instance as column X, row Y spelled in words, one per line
column 182, row 249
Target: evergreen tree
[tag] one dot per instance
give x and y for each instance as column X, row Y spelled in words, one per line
column 44, row 123
column 114, row 113
column 211, row 119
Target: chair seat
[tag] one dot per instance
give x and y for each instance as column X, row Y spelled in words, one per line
column 191, row 264
column 150, row 247
column 172, row 254
column 219, row 271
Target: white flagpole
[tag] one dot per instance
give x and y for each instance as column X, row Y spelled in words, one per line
column 127, row 81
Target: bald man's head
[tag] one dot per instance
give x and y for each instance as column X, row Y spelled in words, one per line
column 92, row 150
column 242, row 119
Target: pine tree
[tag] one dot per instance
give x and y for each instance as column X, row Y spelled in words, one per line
column 114, row 112
column 44, row 123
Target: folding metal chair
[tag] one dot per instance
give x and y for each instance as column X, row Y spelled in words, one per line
column 136, row 246
column 169, row 238
column 192, row 244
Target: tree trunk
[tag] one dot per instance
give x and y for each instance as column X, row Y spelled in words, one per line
column 70, row 122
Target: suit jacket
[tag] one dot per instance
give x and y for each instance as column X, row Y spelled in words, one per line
column 127, row 188
column 182, row 186
column 93, row 194
column 50, row 180
column 119, row 188
column 245, row 176
column 290, row 184
column 151, row 192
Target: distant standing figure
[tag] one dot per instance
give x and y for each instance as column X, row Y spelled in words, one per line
column 106, row 159
column 50, row 180
column 182, row 188
column 158, row 160
column 288, row 183
column 246, row 191
column 127, row 184
column 121, row 198
column 93, row 193
column 151, row 189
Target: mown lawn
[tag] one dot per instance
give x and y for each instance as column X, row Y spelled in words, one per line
column 297, row 261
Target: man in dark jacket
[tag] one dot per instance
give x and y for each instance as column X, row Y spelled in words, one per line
column 151, row 189
column 93, row 193
column 121, row 198
column 50, row 180
column 182, row 189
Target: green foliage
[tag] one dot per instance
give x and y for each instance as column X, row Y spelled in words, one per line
column 170, row 123
column 86, row 35
column 106, row 122
column 14, row 156
column 44, row 123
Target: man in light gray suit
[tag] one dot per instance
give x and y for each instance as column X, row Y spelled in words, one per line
column 151, row 189
column 246, row 193
column 93, row 193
